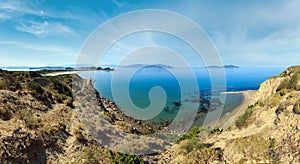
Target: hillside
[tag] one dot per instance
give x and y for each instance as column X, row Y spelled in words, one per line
column 39, row 123
column 268, row 131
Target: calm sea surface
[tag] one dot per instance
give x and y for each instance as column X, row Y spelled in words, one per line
column 141, row 82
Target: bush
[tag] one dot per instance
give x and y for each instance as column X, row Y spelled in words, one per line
column 123, row 158
column 193, row 144
column 192, row 134
column 5, row 113
column 291, row 83
column 255, row 148
column 242, row 120
column 79, row 136
column 296, row 108
column 14, row 86
column 205, row 155
column 294, row 81
column 30, row 120
column 62, row 89
column 35, row 87
column 34, row 74
column 216, row 130
column 92, row 155
column 64, row 92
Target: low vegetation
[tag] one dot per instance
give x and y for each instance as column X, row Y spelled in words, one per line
column 256, row 148
column 242, row 121
column 30, row 119
column 192, row 134
column 124, row 158
column 92, row 155
column 290, row 83
column 5, row 113
column 296, row 108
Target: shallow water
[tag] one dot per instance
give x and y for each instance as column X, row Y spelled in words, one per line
column 139, row 85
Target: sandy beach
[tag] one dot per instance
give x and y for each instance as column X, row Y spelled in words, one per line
column 229, row 119
column 62, row 73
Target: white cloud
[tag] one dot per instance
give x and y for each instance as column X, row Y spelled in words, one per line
column 50, row 49
column 17, row 7
column 43, row 29
column 7, row 43
column 4, row 16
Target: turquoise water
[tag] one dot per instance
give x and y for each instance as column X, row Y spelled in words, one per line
column 143, row 80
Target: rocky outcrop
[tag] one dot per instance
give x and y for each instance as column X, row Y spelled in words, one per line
column 268, row 88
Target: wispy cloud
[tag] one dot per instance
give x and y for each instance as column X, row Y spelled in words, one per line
column 16, row 10
column 43, row 29
column 50, row 49
column 7, row 43
column 17, row 7
column 4, row 16
column 119, row 4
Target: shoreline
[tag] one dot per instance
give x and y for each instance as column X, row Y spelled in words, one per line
column 229, row 118
column 224, row 122
column 63, row 73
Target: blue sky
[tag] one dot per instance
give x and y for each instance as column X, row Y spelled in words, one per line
column 246, row 33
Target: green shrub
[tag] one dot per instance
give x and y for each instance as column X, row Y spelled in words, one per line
column 79, row 136
column 35, row 87
column 30, row 120
column 192, row 144
column 216, row 130
column 296, row 108
column 62, row 89
column 274, row 100
column 92, row 155
column 205, row 155
column 294, row 81
column 242, row 120
column 34, row 74
column 14, row 86
column 285, row 84
column 291, row 83
column 272, row 154
column 64, row 92
column 123, row 158
column 5, row 113
column 192, row 134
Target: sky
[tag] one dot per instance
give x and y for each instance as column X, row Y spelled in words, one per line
column 246, row 33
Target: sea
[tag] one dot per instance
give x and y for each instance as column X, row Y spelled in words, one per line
column 160, row 90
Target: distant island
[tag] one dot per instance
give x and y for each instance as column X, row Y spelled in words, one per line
column 224, row 66
column 57, row 68
column 145, row 65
